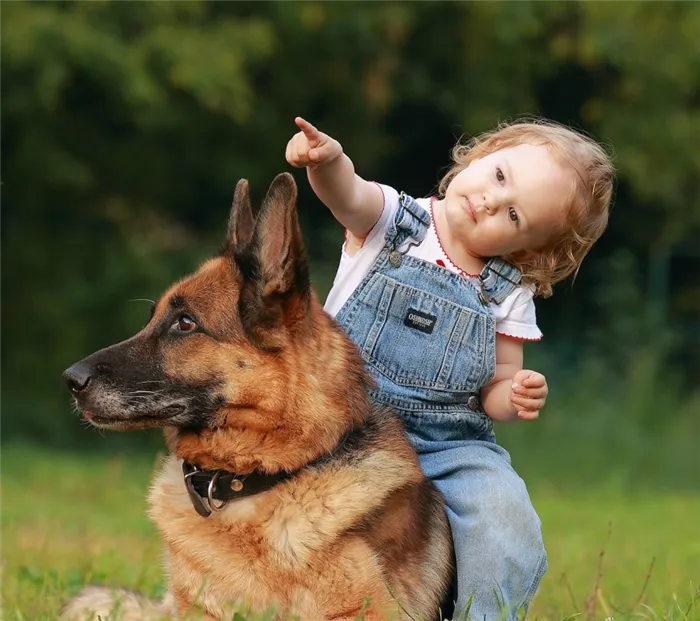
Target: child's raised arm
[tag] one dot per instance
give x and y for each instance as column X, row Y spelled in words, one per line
column 355, row 203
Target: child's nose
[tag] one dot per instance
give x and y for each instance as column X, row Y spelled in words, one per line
column 489, row 204
column 495, row 199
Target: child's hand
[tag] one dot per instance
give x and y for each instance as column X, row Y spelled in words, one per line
column 529, row 393
column 311, row 147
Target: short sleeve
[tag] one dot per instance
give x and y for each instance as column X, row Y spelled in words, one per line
column 353, row 268
column 516, row 316
column 381, row 226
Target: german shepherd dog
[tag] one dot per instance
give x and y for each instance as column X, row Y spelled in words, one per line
column 285, row 487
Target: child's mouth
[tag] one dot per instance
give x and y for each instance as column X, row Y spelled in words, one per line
column 468, row 208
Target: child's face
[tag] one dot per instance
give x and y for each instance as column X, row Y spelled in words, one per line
column 513, row 200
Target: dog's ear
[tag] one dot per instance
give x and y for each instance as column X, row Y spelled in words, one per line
column 240, row 222
column 278, row 242
column 276, row 287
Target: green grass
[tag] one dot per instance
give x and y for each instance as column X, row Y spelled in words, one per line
column 68, row 520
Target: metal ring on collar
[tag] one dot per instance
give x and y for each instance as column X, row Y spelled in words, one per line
column 210, row 491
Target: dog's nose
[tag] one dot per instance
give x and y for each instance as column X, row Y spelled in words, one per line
column 77, row 377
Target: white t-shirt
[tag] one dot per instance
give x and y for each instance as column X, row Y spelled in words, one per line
column 515, row 316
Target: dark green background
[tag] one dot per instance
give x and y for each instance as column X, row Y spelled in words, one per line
column 125, row 126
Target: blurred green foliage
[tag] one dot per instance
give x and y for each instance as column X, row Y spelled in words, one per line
column 126, row 125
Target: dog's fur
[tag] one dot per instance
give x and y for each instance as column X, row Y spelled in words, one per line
column 245, row 372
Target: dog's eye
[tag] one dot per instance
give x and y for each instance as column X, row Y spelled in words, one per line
column 184, row 324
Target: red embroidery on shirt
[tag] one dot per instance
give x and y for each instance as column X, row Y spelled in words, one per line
column 520, row 338
column 440, row 262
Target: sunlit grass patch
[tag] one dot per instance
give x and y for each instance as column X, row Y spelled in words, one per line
column 70, row 520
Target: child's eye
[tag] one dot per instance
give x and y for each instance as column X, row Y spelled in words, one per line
column 499, row 175
column 513, row 215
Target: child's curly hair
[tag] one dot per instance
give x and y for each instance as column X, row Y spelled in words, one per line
column 588, row 203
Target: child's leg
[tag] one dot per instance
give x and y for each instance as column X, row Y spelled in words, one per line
column 498, row 542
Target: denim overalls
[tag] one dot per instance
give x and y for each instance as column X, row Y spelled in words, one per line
column 428, row 338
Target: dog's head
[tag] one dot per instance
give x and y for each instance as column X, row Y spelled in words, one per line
column 233, row 346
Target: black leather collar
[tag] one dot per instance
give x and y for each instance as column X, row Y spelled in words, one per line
column 205, row 487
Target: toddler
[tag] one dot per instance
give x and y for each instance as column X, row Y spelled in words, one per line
column 437, row 293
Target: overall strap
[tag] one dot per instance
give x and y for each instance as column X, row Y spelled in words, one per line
column 498, row 279
column 410, row 224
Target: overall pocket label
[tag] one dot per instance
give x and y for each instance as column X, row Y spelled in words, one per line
column 424, row 322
